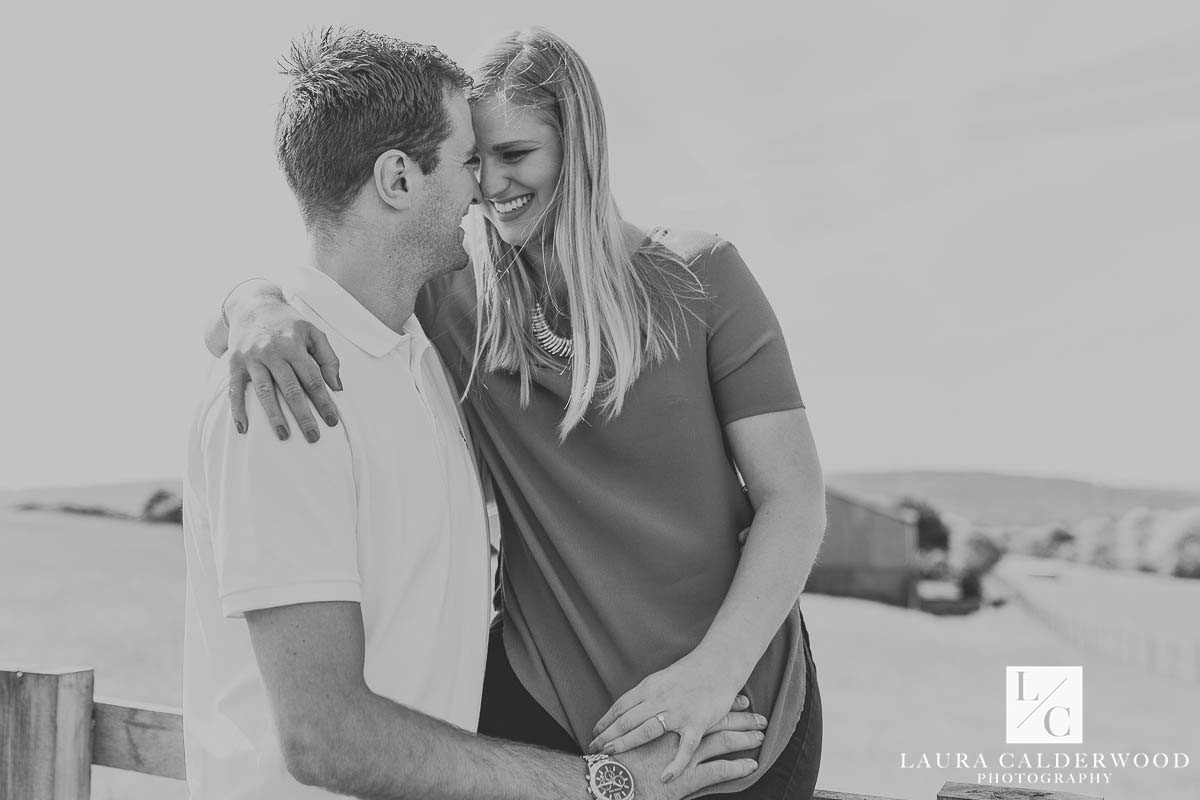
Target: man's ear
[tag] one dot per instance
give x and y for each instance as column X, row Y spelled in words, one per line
column 397, row 179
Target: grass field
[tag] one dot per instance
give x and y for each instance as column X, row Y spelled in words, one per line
column 1121, row 600
column 108, row 594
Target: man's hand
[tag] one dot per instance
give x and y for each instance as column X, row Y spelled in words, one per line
column 273, row 347
column 648, row 761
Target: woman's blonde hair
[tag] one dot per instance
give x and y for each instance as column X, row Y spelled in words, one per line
column 625, row 313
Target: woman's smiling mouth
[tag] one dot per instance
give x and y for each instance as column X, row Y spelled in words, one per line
column 508, row 208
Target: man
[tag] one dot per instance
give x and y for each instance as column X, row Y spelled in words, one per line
column 338, row 593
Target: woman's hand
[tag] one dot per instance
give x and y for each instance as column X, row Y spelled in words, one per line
column 710, row 766
column 272, row 346
column 691, row 697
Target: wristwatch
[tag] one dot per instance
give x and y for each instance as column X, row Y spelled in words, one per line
column 607, row 778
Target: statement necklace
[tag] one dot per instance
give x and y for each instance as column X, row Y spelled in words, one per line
column 547, row 339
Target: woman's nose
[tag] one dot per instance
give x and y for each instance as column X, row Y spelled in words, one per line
column 492, row 179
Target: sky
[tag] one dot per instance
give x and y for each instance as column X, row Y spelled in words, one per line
column 979, row 223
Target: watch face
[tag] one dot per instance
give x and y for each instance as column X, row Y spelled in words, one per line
column 612, row 781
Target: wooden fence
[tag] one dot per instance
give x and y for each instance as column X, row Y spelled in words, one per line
column 1176, row 657
column 52, row 731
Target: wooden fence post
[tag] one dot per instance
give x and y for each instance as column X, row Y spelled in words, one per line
column 46, row 735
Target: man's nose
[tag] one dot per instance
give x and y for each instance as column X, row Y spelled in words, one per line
column 476, row 192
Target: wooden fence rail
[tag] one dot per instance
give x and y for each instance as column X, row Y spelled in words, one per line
column 52, row 731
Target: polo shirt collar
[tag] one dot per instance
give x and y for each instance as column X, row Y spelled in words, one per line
column 348, row 316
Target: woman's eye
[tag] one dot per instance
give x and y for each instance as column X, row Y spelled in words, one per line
column 513, row 156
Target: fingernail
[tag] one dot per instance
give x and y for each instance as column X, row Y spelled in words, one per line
column 337, row 383
column 330, row 420
column 281, row 432
column 760, row 719
column 240, row 427
column 759, row 735
column 609, row 749
column 312, row 436
column 667, row 777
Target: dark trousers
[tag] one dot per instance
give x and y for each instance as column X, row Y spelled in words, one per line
column 509, row 712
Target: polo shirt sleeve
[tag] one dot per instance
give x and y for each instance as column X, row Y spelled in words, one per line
column 283, row 514
column 748, row 364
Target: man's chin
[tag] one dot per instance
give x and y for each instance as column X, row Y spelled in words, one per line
column 458, row 264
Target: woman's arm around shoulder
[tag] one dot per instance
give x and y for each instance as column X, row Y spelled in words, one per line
column 271, row 346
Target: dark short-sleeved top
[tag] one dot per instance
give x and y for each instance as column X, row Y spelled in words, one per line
column 620, row 544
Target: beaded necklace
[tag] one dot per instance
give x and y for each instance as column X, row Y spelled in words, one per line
column 547, row 339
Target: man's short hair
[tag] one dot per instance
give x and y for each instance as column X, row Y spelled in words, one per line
column 354, row 95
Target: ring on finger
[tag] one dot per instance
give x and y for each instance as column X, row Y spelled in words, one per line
column 662, row 721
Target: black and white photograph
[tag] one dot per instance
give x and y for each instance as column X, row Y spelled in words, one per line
column 623, row 401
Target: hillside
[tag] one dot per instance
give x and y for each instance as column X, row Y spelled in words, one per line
column 119, row 499
column 984, row 497
column 997, row 499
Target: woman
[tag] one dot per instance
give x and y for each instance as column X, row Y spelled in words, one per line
column 622, row 577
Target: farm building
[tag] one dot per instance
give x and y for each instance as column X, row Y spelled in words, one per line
column 870, row 551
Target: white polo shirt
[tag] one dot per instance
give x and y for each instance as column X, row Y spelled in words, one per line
column 385, row 510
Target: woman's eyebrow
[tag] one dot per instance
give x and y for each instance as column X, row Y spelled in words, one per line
column 496, row 148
